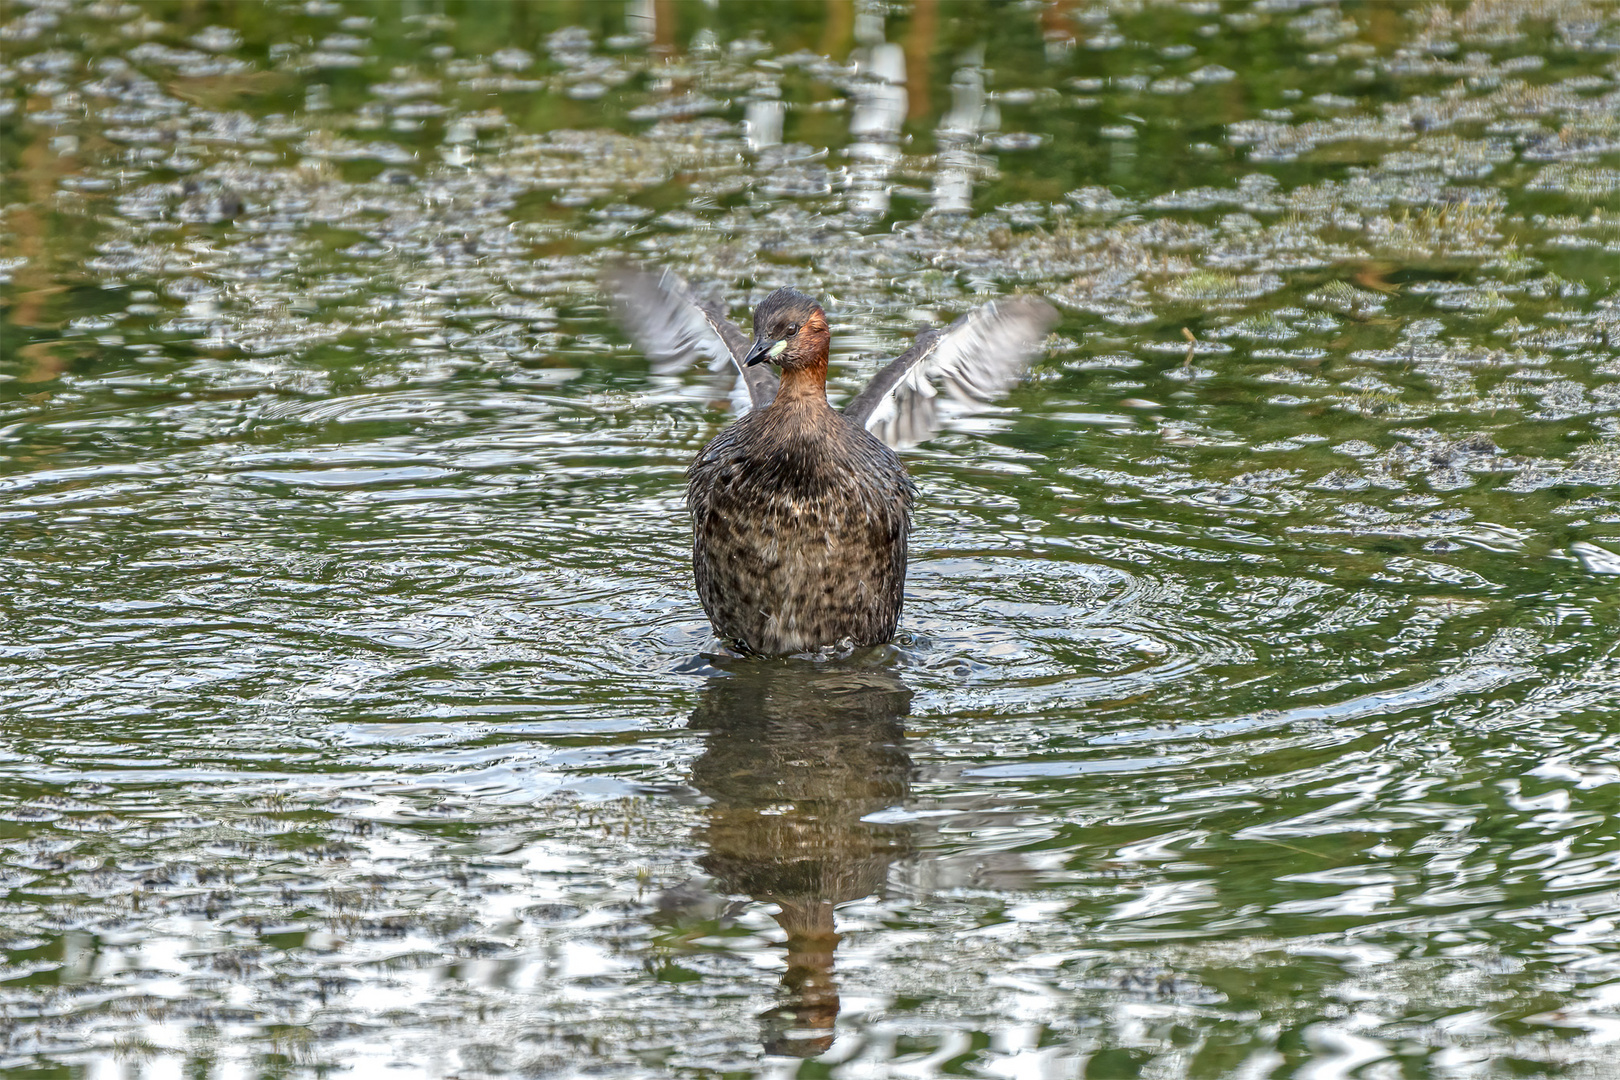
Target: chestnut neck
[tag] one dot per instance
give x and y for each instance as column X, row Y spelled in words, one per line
column 804, row 385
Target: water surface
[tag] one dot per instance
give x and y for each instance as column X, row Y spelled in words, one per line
column 1252, row 713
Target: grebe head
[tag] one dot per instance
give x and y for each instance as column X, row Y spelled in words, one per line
column 790, row 331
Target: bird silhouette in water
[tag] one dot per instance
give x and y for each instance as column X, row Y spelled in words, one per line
column 800, row 512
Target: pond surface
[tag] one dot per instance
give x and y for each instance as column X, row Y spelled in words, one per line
column 1254, row 709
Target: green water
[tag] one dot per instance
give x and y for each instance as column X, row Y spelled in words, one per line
column 1253, row 713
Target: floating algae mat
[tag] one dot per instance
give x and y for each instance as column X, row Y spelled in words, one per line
column 1254, row 708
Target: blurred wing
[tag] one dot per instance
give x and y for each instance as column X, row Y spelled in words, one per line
column 975, row 360
column 675, row 329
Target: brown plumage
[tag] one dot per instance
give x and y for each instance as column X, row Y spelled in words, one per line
column 800, row 513
column 799, row 517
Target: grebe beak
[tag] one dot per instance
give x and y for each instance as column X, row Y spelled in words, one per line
column 764, row 349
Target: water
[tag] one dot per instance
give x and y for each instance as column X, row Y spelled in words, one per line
column 1252, row 713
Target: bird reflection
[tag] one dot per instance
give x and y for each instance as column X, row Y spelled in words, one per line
column 796, row 757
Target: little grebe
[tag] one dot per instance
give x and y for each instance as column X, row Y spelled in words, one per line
column 799, row 512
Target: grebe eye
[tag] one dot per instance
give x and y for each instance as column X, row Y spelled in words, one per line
column 794, row 329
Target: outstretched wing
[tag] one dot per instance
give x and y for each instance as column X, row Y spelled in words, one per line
column 975, row 360
column 675, row 328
